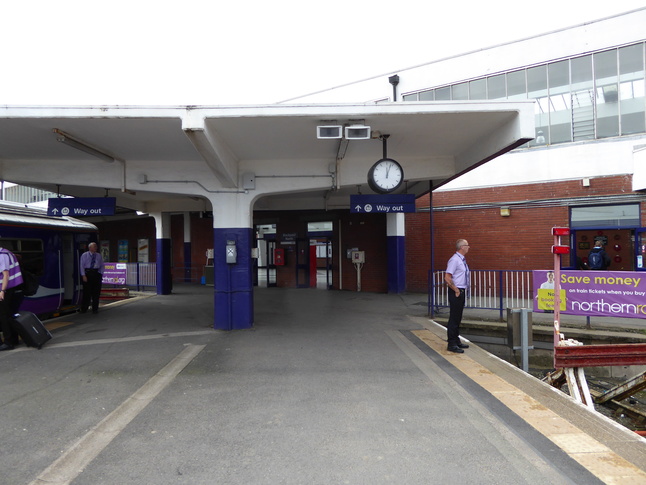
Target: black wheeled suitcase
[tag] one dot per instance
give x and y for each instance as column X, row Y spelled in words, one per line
column 31, row 329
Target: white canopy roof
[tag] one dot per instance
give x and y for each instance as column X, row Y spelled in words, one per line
column 180, row 158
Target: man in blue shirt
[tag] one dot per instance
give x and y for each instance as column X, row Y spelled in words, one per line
column 457, row 278
column 91, row 267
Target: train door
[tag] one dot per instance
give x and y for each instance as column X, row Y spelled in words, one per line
column 67, row 267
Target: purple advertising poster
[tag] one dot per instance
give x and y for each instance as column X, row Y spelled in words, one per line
column 114, row 274
column 593, row 293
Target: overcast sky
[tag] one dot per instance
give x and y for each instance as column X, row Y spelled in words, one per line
column 141, row 52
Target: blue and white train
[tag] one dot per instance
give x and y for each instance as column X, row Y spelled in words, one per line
column 50, row 248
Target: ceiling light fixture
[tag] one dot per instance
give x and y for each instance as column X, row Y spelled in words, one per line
column 74, row 142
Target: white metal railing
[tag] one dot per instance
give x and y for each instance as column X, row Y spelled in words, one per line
column 141, row 275
column 489, row 289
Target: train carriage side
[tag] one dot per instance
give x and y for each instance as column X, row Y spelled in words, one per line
column 50, row 248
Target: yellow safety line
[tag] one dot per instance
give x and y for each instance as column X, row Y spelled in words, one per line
column 594, row 456
column 54, row 325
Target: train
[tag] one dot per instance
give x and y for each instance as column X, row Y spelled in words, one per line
column 50, row 248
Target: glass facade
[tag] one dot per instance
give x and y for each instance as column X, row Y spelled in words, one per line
column 611, row 216
column 588, row 97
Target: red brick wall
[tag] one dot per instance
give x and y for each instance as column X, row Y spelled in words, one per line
column 521, row 241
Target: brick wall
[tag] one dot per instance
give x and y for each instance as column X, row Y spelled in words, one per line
column 521, row 241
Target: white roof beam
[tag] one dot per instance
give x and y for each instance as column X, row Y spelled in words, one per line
column 212, row 149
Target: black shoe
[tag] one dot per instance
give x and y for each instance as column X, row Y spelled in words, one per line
column 457, row 350
column 95, row 311
column 82, row 311
column 6, row 347
column 463, row 346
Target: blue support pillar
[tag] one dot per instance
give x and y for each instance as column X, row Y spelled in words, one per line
column 188, row 263
column 188, row 259
column 233, row 281
column 164, row 273
column 396, row 247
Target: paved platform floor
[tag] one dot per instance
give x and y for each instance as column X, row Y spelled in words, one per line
column 328, row 387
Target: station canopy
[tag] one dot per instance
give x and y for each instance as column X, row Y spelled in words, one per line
column 181, row 158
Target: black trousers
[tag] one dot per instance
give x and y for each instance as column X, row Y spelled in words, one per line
column 91, row 290
column 456, row 305
column 7, row 310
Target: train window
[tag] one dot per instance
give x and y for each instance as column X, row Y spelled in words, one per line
column 31, row 245
column 31, row 253
column 10, row 244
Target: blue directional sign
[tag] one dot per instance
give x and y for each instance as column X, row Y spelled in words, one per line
column 382, row 203
column 81, row 207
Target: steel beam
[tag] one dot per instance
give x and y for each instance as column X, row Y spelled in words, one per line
column 599, row 355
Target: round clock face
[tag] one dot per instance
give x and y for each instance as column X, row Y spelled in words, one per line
column 385, row 176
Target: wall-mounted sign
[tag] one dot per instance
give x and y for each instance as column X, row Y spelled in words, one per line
column 382, row 203
column 81, row 207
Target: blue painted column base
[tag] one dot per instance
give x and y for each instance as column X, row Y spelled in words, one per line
column 233, row 281
column 188, row 263
column 164, row 273
column 396, row 247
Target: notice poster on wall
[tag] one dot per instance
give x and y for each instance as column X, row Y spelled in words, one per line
column 593, row 293
column 105, row 250
column 142, row 250
column 122, row 257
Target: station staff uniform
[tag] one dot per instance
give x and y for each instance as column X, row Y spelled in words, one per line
column 459, row 270
column 11, row 277
column 92, row 267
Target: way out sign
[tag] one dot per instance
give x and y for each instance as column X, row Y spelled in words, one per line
column 382, row 203
column 81, row 207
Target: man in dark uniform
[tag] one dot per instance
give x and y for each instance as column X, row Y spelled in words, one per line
column 91, row 268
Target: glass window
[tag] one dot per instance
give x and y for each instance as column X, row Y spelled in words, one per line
column 478, row 89
column 581, row 71
column 605, row 216
column 537, row 89
column 516, row 85
column 427, row 95
column 443, row 94
column 558, row 78
column 536, row 81
column 410, row 97
column 631, row 89
column 496, row 88
column 582, row 99
column 460, row 91
column 607, row 93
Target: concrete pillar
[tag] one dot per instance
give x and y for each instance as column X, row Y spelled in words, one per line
column 396, row 247
column 233, row 281
column 164, row 271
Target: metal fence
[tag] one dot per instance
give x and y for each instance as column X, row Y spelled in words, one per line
column 141, row 275
column 489, row 290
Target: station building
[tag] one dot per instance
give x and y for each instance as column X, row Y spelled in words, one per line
column 584, row 169
column 498, row 145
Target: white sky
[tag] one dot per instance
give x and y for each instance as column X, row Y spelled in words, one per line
column 217, row 52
